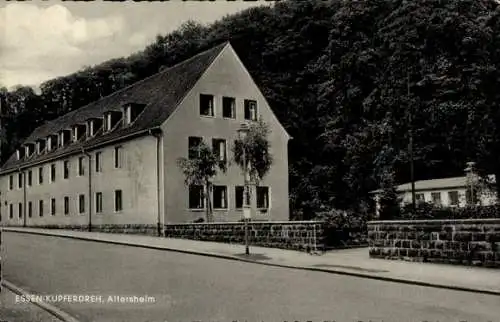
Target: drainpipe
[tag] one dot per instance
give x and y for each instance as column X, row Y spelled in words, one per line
column 90, row 188
column 24, row 196
column 158, row 135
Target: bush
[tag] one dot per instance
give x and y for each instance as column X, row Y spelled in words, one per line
column 428, row 211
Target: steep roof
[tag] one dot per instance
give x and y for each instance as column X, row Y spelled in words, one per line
column 434, row 184
column 161, row 93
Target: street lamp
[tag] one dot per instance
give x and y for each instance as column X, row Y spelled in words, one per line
column 242, row 134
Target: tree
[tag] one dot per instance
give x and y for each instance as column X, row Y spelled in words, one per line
column 252, row 154
column 200, row 170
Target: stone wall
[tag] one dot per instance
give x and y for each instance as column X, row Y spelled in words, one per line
column 297, row 235
column 461, row 241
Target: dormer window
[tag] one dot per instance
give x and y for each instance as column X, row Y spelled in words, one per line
column 93, row 126
column 52, row 142
column 29, row 149
column 132, row 111
column 40, row 146
column 64, row 137
column 78, row 132
column 20, row 153
column 111, row 119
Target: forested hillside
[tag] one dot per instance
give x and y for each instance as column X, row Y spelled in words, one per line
column 346, row 78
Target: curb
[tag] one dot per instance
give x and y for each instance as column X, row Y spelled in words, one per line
column 234, row 258
column 61, row 315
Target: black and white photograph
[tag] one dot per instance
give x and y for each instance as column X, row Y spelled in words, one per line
column 250, row 161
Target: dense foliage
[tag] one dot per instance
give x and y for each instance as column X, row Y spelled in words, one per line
column 348, row 79
column 428, row 211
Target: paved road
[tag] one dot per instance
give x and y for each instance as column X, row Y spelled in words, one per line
column 197, row 288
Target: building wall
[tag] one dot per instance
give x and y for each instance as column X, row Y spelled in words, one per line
column 226, row 77
column 136, row 179
column 486, row 197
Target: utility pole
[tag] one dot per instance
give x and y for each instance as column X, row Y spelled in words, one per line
column 410, row 145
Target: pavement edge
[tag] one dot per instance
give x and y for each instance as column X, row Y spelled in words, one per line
column 235, row 258
column 58, row 313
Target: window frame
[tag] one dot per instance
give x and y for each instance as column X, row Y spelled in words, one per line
column 81, row 168
column 216, row 145
column 456, row 195
column 201, row 198
column 98, row 161
column 232, row 106
column 20, row 180
column 247, row 103
column 66, row 205
column 225, row 199
column 40, row 208
column 40, row 175
column 30, row 178
column 53, row 174
column 192, row 152
column 66, row 169
column 30, row 209
column 20, row 210
column 211, row 108
column 267, row 201
column 53, row 206
column 98, row 202
column 118, row 157
column 118, row 196
column 81, row 203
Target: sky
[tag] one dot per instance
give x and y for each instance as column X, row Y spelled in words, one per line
column 41, row 40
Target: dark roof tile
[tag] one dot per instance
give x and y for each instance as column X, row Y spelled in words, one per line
column 161, row 93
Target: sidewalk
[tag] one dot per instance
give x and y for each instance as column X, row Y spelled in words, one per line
column 354, row 262
column 12, row 311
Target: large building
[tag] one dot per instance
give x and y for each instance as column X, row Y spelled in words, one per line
column 115, row 161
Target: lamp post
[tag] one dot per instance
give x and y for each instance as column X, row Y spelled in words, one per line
column 242, row 134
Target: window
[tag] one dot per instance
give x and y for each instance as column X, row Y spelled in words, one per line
column 66, row 205
column 11, row 211
column 238, row 193
column 262, row 197
column 250, row 110
column 81, row 169
column 206, row 105
column 81, row 203
column 98, row 165
column 52, row 172
column 118, row 200
column 30, row 178
column 436, row 198
column 20, row 180
column 118, row 157
column 196, row 197
column 194, row 143
column 219, row 148
column 420, row 197
column 229, row 107
column 66, row 169
column 53, row 206
column 98, row 202
column 20, row 210
column 30, row 209
column 11, row 182
column 453, row 197
column 40, row 175
column 220, row 197
column 40, row 208
column 472, row 198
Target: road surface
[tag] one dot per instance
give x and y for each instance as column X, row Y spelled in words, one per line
column 197, row 288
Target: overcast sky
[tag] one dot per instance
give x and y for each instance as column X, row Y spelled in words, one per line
column 42, row 40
